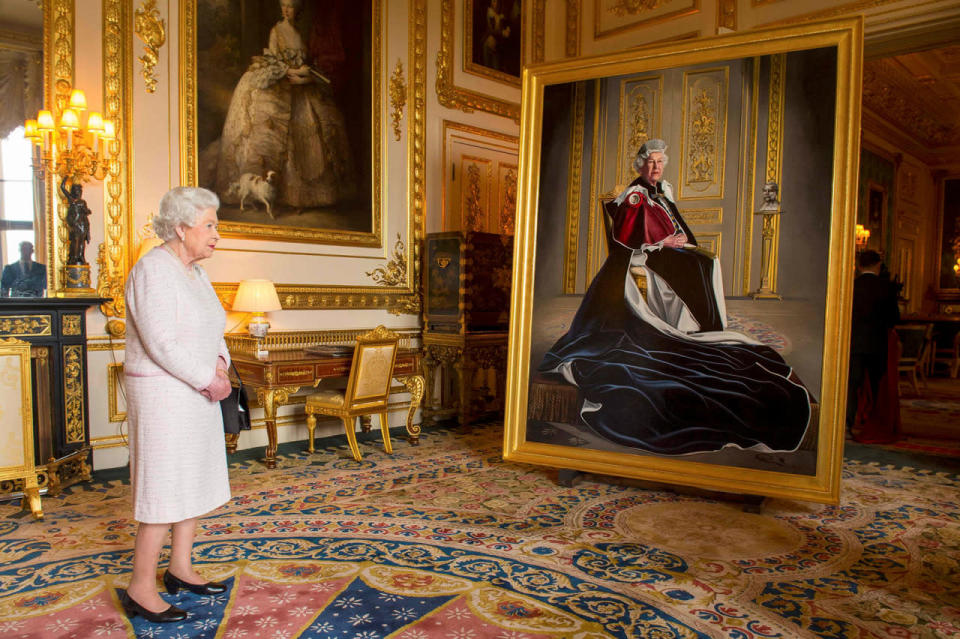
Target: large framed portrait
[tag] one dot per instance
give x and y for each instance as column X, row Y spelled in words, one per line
column 683, row 262
column 277, row 116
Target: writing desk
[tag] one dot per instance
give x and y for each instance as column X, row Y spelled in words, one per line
column 282, row 373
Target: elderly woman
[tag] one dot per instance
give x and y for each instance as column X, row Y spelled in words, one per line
column 663, row 374
column 175, row 371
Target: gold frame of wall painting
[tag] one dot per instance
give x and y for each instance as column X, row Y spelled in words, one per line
column 448, row 93
column 189, row 151
column 472, row 66
column 403, row 298
column 820, row 481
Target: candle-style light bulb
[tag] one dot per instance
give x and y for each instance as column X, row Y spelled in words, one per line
column 78, row 101
column 95, row 127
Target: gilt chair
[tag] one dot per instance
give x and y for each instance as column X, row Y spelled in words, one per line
column 915, row 343
column 367, row 392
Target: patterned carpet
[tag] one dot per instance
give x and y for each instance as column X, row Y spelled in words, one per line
column 446, row 541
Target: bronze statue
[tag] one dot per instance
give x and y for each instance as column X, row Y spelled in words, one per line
column 78, row 222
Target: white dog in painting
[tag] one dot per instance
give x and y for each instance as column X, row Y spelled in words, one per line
column 256, row 188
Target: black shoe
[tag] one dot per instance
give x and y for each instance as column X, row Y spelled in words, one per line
column 132, row 608
column 173, row 584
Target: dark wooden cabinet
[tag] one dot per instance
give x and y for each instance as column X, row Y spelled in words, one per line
column 56, row 330
column 467, row 279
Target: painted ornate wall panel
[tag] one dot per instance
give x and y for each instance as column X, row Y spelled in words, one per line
column 703, row 154
column 640, row 119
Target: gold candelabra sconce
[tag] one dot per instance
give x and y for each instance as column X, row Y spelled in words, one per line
column 73, row 153
column 67, row 149
column 861, row 237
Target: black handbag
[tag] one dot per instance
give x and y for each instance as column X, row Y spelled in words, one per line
column 235, row 409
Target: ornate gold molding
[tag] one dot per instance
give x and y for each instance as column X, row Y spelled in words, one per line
column 70, row 324
column 508, row 206
column 572, row 44
column 727, row 15
column 398, row 98
column 539, row 22
column 395, row 271
column 73, row 393
column 118, row 185
column 58, row 28
column 634, row 7
column 475, row 218
column 574, row 186
column 416, row 145
column 114, row 371
column 778, row 73
column 152, row 31
column 637, row 8
column 452, row 96
column 704, row 142
column 25, row 325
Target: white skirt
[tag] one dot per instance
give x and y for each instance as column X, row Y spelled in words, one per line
column 178, row 460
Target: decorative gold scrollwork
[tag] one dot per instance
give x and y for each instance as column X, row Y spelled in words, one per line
column 634, row 7
column 474, row 213
column 25, row 325
column 703, row 127
column 73, row 392
column 395, row 272
column 152, row 31
column 508, row 211
column 70, row 324
column 398, row 98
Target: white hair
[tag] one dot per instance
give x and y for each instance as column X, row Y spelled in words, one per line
column 655, row 145
column 182, row 205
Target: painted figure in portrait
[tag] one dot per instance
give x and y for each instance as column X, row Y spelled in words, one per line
column 496, row 35
column 286, row 143
column 662, row 372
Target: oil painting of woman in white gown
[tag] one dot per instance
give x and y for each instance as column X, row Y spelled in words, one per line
column 284, row 153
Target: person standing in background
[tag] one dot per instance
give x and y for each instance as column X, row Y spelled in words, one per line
column 875, row 312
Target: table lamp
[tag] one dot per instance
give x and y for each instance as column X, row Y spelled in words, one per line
column 257, row 297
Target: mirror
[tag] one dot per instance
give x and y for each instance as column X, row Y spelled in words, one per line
column 22, row 218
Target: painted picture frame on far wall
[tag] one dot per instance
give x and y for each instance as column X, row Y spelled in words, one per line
column 641, row 345
column 277, row 104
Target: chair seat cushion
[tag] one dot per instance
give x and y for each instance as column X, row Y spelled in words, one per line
column 326, row 398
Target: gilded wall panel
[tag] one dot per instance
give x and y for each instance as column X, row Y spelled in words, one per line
column 709, row 242
column 116, row 402
column 475, row 176
column 640, row 119
column 612, row 17
column 700, row 217
column 25, row 326
column 703, row 147
column 507, row 201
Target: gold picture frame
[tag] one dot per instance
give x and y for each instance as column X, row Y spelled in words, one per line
column 451, row 95
column 540, row 425
column 328, row 224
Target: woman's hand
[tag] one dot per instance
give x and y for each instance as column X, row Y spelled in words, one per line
column 300, row 75
column 219, row 388
column 675, row 241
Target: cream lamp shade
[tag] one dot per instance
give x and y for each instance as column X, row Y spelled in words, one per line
column 257, row 297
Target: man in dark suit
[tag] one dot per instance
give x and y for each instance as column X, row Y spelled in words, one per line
column 875, row 312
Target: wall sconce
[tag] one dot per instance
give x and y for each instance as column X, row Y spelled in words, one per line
column 257, row 297
column 862, row 236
